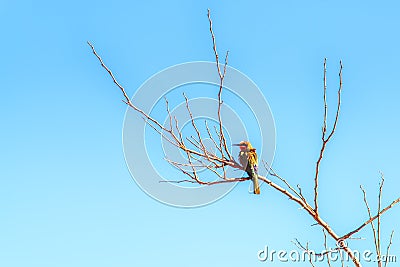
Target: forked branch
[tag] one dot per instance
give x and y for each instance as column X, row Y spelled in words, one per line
column 325, row 138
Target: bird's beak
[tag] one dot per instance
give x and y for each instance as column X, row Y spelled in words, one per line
column 236, row 144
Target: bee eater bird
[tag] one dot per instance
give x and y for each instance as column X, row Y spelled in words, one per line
column 249, row 161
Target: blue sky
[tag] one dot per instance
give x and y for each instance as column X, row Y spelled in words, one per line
column 66, row 196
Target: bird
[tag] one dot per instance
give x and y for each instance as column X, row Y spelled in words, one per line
column 249, row 161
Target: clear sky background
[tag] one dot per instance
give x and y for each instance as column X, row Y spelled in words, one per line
column 66, row 196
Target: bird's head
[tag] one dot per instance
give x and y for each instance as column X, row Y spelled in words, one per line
column 245, row 146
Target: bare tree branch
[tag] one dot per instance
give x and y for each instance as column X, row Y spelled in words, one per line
column 378, row 239
column 379, row 217
column 221, row 76
column 391, row 205
column 388, row 248
column 272, row 172
column 325, row 139
column 372, row 224
column 177, row 140
column 217, row 161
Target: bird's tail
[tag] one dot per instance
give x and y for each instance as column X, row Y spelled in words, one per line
column 256, row 186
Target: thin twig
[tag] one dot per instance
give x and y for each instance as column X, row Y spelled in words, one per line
column 177, row 182
column 272, row 172
column 325, row 102
column 211, row 137
column 169, row 113
column 388, row 248
column 378, row 241
column 127, row 100
column 372, row 223
column 300, row 193
column 200, row 141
